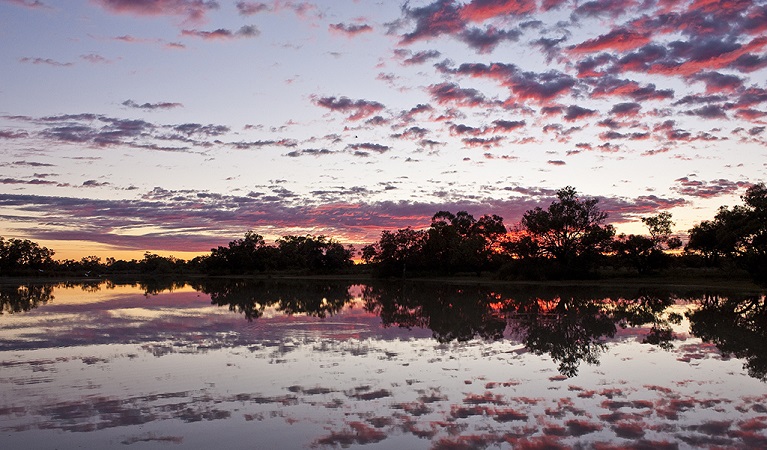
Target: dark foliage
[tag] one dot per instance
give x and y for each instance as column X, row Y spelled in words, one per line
column 453, row 243
column 450, row 313
column 251, row 298
column 24, row 257
column 566, row 240
column 571, row 325
column 313, row 254
column 22, row 298
column 738, row 234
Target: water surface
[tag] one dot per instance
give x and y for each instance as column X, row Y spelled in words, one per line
column 297, row 364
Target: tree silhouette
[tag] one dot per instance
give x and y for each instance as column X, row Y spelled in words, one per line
column 240, row 256
column 251, row 298
column 461, row 243
column 647, row 253
column 397, row 252
column 571, row 326
column 569, row 329
column 739, row 233
column 571, row 231
column 313, row 253
column 649, row 308
column 22, row 256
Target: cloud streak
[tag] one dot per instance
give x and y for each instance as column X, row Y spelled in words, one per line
column 200, row 218
column 246, row 31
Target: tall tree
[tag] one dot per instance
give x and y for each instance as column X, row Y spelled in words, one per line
column 571, row 230
column 739, row 233
column 313, row 253
column 240, row 256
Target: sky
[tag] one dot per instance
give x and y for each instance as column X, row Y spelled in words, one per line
column 175, row 126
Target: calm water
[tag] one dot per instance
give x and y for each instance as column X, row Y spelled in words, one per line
column 236, row 364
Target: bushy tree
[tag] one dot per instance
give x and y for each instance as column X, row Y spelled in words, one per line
column 22, row 256
column 452, row 243
column 396, row 252
column 739, row 233
column 241, row 255
column 461, row 243
column 571, row 231
column 704, row 241
column 154, row 264
column 251, row 253
column 313, row 253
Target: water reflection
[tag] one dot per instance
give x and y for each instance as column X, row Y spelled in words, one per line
column 451, row 313
column 403, row 365
column 737, row 326
column 571, row 328
column 20, row 298
column 570, row 325
column 251, row 298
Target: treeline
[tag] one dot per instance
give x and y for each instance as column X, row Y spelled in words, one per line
column 314, row 254
column 568, row 239
column 251, row 254
column 571, row 239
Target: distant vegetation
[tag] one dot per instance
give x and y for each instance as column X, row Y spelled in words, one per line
column 251, row 254
column 568, row 239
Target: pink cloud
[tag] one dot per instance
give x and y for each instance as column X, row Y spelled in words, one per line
column 625, row 109
column 432, row 20
column 481, row 10
column 538, row 87
column 575, row 112
column 45, row 61
column 251, row 8
column 708, row 189
column 445, row 93
column 619, row 39
column 717, row 82
column 31, row 4
column 715, row 57
column 192, row 10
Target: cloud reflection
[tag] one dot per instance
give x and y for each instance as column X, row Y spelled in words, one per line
column 156, row 377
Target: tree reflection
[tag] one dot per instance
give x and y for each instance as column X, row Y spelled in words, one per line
column 251, row 297
column 571, row 326
column 576, row 327
column 450, row 313
column 154, row 286
column 737, row 326
column 569, row 329
column 22, row 298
